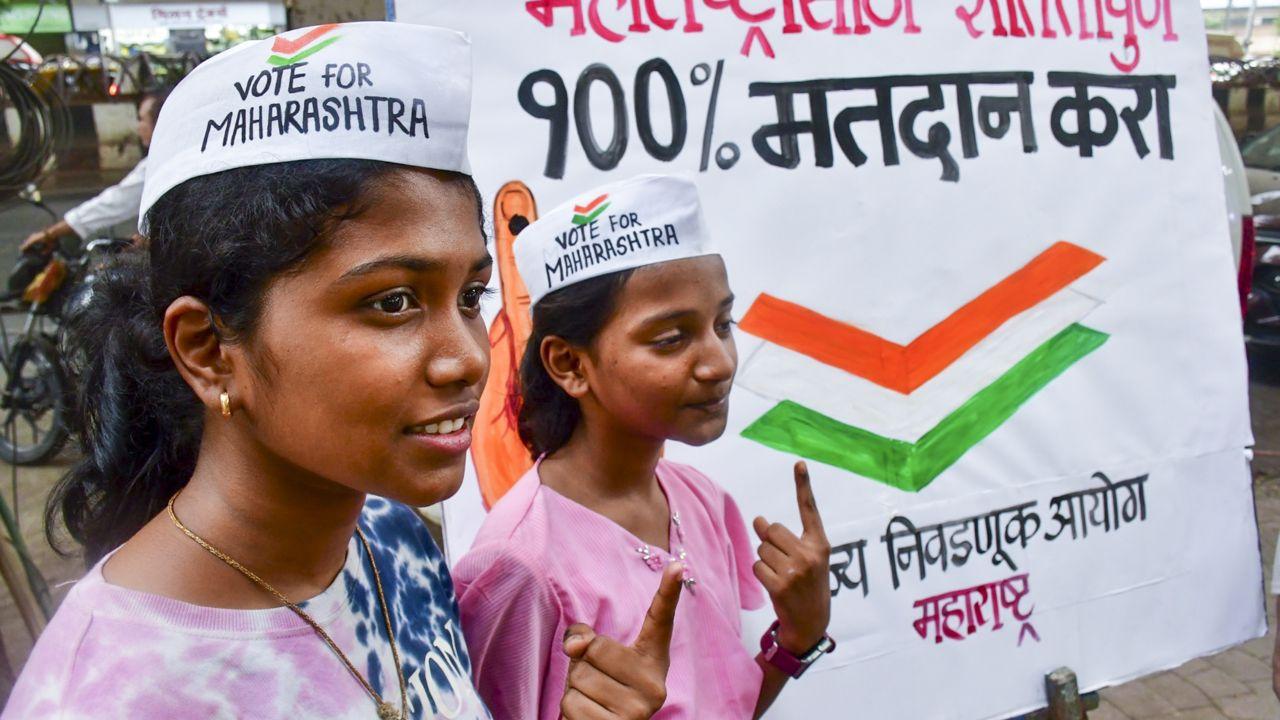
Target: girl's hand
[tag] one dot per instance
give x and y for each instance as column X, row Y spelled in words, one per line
column 794, row 571
column 610, row 680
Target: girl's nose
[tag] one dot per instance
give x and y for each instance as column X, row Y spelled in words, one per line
column 718, row 362
column 459, row 357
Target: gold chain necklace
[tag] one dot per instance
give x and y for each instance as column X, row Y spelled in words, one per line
column 386, row 711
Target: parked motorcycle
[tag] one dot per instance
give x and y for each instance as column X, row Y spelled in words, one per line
column 35, row 397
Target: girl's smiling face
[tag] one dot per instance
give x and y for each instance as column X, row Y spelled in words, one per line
column 663, row 364
column 366, row 367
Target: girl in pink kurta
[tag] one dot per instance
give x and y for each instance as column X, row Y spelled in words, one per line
column 631, row 346
column 543, row 562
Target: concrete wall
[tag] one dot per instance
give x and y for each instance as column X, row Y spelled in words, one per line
column 117, row 128
column 1265, row 40
column 316, row 12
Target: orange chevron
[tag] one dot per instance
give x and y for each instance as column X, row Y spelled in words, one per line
column 905, row 368
column 285, row 46
column 586, row 209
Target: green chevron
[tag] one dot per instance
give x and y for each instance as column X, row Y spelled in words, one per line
column 280, row 60
column 795, row 429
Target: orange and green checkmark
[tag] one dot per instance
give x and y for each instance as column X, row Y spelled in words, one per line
column 288, row 52
column 910, row 466
column 583, row 214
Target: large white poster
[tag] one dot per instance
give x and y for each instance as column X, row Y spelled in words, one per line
column 985, row 287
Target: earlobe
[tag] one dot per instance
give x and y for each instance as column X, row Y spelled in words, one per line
column 564, row 364
column 197, row 351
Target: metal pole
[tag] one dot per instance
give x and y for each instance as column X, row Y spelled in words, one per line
column 35, row 581
column 24, row 597
column 1064, row 695
column 1248, row 31
column 115, row 42
column 1226, row 18
column 6, row 668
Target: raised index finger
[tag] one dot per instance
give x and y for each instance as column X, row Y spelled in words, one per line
column 654, row 639
column 809, row 516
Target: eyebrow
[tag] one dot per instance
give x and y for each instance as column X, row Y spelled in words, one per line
column 412, row 263
column 677, row 314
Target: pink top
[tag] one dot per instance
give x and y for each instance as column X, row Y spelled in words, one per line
column 543, row 562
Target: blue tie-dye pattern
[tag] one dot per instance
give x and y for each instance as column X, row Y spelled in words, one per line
column 375, row 673
column 424, row 614
column 357, row 594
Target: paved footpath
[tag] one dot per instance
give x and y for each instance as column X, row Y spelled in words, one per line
column 1236, row 683
column 1232, row 684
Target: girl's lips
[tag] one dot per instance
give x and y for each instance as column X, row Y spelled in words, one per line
column 712, row 405
column 454, row 443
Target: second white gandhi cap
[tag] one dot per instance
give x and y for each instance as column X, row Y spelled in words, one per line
column 645, row 220
column 394, row 92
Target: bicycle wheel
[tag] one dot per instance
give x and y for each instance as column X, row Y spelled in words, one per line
column 33, row 407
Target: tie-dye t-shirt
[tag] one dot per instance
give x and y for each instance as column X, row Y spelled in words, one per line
column 110, row 652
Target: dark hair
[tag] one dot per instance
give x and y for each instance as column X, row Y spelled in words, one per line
column 220, row 238
column 157, row 95
column 576, row 314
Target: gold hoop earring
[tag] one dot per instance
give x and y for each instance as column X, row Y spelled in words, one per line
column 225, row 398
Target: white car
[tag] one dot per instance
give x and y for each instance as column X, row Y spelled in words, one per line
column 1238, row 179
column 18, row 51
column 1262, row 309
column 1261, row 156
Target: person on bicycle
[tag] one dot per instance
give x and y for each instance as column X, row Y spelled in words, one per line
column 113, row 205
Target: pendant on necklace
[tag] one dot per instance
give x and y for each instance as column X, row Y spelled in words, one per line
column 386, row 711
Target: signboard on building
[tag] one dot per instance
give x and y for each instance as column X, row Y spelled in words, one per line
column 20, row 18
column 191, row 15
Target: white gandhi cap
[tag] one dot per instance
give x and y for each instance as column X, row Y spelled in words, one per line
column 629, row 224
column 393, row 92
